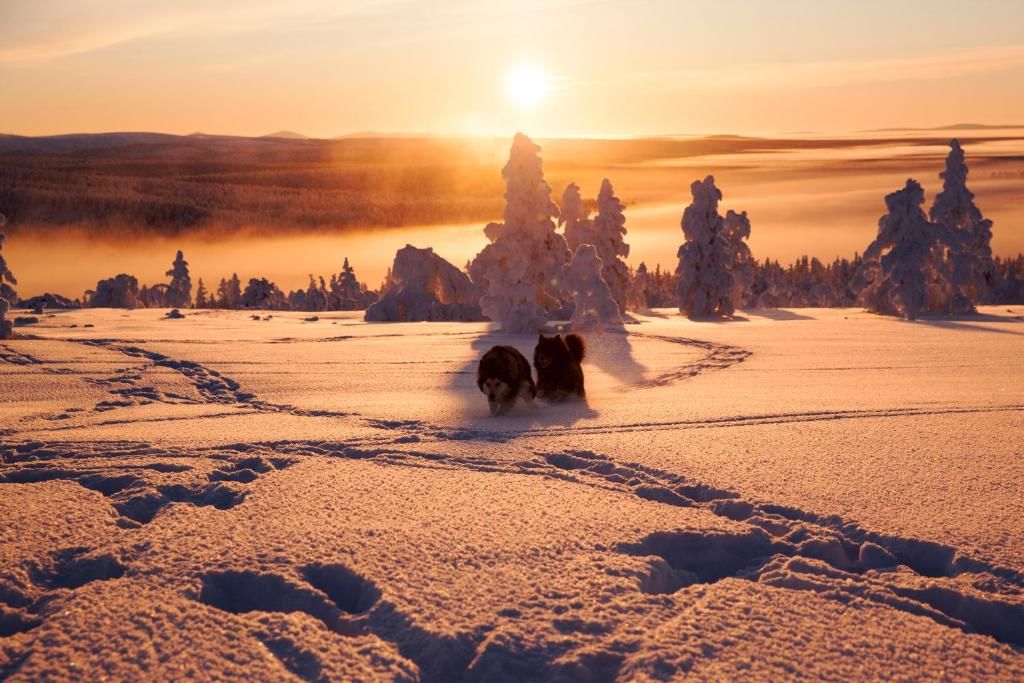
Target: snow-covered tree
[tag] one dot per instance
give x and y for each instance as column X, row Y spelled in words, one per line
column 608, row 232
column 7, row 279
column 263, row 294
column 179, row 291
column 316, row 296
column 575, row 217
column 229, row 293
column 521, row 269
column 715, row 261
column 638, row 295
column 595, row 306
column 202, row 296
column 969, row 235
column 424, row 286
column 121, row 291
column 6, row 326
column 904, row 261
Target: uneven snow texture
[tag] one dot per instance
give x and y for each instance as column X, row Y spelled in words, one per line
column 790, row 495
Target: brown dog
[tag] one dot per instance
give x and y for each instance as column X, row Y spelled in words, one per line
column 559, row 373
column 504, row 376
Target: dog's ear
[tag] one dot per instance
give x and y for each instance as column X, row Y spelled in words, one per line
column 540, row 337
column 558, row 336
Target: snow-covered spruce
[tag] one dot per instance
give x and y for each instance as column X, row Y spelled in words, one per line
column 595, row 306
column 715, row 264
column 203, row 299
column 971, row 270
column 179, row 291
column 638, row 295
column 426, row 287
column 120, row 291
column 576, row 218
column 902, row 272
column 262, row 294
column 7, row 279
column 608, row 233
column 229, row 293
column 521, row 269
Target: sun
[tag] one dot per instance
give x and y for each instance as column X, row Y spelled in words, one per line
column 527, row 85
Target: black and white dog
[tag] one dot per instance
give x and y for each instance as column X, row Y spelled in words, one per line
column 504, row 376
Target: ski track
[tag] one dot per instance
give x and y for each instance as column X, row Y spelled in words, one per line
column 777, row 545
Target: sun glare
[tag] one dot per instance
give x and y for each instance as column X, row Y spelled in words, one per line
column 527, row 85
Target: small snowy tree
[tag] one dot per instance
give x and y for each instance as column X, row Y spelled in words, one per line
column 202, row 296
column 521, row 269
column 316, row 297
column 7, row 279
column 969, row 235
column 637, row 298
column 904, row 260
column 715, row 261
column 595, row 306
column 575, row 217
column 263, row 294
column 179, row 291
column 121, row 291
column 608, row 231
column 229, row 292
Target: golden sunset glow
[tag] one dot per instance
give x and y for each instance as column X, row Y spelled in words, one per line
column 527, row 85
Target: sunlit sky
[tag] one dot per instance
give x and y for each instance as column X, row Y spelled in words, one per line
column 551, row 67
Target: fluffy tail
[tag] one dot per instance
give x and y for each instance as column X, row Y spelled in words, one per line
column 577, row 347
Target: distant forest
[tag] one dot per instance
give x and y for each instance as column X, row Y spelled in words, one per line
column 136, row 184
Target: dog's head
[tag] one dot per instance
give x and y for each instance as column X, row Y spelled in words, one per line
column 497, row 391
column 549, row 351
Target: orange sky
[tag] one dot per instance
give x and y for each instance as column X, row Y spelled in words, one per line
column 327, row 68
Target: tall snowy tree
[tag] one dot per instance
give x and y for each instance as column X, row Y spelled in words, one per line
column 202, row 296
column 179, row 292
column 715, row 260
column 316, row 297
column 7, row 294
column 969, row 235
column 521, row 269
column 608, row 233
column 904, row 261
column 575, row 217
column 348, row 288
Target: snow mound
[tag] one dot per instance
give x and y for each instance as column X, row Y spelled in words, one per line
column 425, row 287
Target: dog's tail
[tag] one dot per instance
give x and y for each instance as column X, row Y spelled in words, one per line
column 577, row 347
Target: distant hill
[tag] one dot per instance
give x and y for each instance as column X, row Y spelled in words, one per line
column 286, row 135
column 954, row 126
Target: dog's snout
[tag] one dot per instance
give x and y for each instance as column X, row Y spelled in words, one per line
column 490, row 397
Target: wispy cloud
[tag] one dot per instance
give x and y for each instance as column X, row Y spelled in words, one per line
column 781, row 75
column 44, row 30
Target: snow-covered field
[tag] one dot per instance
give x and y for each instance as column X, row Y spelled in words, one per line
column 815, row 494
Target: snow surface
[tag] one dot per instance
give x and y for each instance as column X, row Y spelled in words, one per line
column 814, row 494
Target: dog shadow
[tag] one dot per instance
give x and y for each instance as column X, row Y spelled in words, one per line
column 611, row 351
column 524, row 415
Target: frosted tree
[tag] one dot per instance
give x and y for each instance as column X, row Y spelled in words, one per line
column 229, row 292
column 316, row 295
column 7, row 279
column 521, row 269
column 607, row 235
column 7, row 294
column 595, row 306
column 202, row 296
column 348, row 290
column 424, row 286
column 901, row 264
column 179, row 292
column 575, row 218
column 637, row 298
column 968, row 233
column 715, row 261
column 263, row 294
column 121, row 291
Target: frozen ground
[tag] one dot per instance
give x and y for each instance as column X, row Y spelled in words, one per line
column 818, row 494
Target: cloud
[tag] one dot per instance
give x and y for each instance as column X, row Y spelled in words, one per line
column 37, row 31
column 773, row 76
